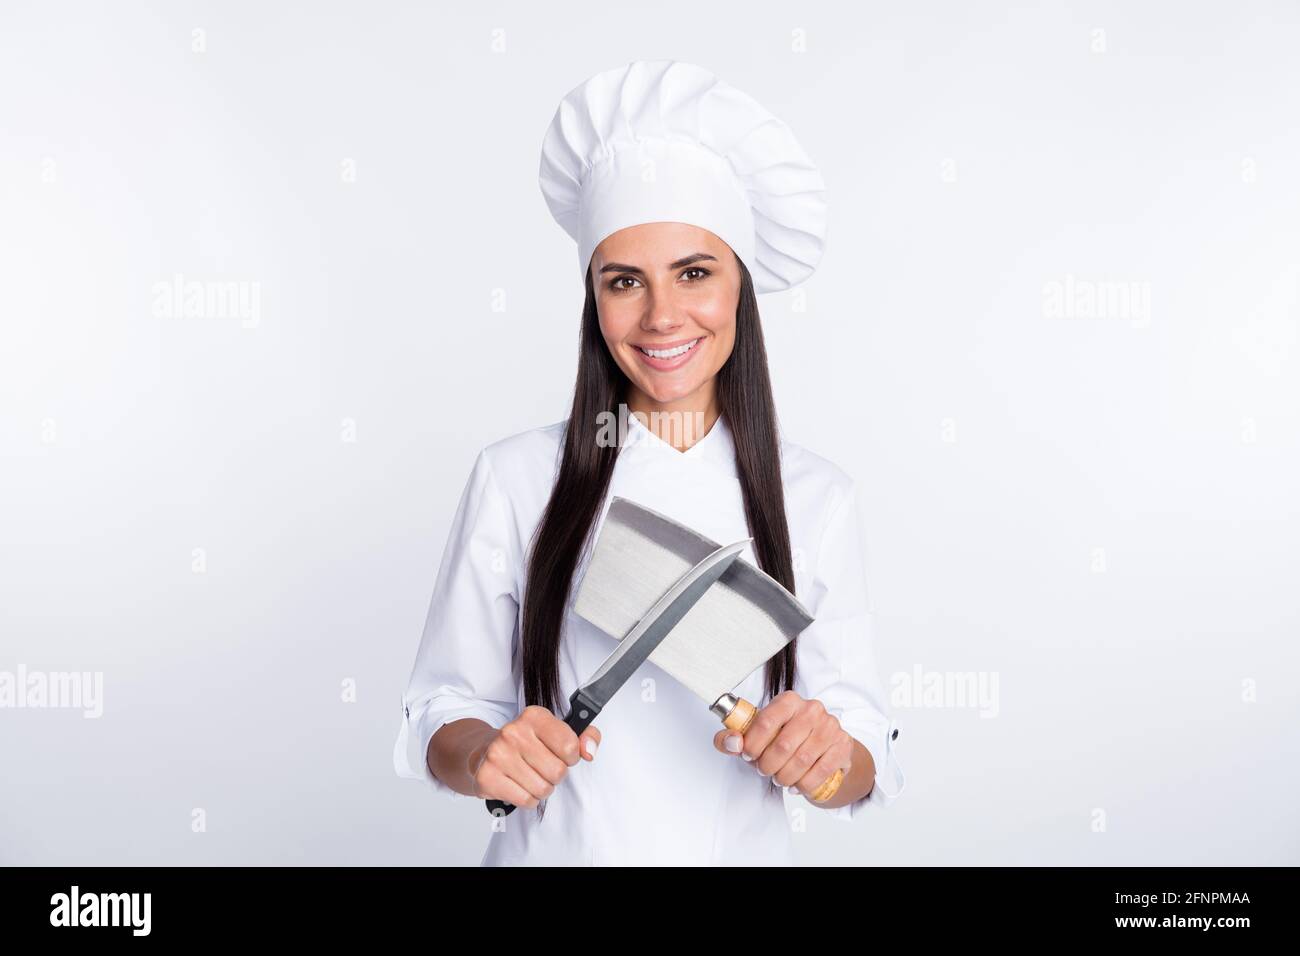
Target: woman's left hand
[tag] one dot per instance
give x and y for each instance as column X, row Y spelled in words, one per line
column 794, row 741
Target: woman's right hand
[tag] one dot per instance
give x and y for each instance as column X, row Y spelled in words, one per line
column 528, row 757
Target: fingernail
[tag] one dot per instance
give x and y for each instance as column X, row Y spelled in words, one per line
column 762, row 774
column 747, row 757
column 794, row 790
column 732, row 743
column 591, row 747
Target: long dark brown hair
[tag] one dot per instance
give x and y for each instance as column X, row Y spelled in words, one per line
column 744, row 393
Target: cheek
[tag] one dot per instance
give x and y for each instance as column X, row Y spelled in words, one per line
column 716, row 312
column 615, row 324
column 719, row 317
column 611, row 327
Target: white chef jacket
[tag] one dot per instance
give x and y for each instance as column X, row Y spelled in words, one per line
column 657, row 792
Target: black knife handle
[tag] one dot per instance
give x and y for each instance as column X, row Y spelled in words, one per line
column 582, row 711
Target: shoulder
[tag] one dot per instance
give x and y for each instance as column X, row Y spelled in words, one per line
column 814, row 478
column 532, row 446
column 823, row 508
column 521, row 464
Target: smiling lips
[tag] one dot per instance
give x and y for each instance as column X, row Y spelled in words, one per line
column 670, row 356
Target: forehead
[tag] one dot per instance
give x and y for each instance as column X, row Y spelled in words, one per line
column 656, row 244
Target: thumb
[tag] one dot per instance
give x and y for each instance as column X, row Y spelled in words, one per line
column 588, row 741
column 723, row 737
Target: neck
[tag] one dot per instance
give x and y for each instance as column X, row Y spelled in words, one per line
column 681, row 422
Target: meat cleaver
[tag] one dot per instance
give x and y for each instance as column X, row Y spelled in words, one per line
column 744, row 619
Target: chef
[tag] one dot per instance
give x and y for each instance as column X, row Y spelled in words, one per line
column 686, row 200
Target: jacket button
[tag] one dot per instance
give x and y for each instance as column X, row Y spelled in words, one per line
column 894, row 735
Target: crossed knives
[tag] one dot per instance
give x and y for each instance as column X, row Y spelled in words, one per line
column 674, row 597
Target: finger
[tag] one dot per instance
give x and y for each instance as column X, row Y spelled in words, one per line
column 728, row 742
column 820, row 772
column 501, row 787
column 589, row 741
column 798, row 770
column 526, row 775
column 509, row 760
column 560, row 740
column 546, row 764
column 778, row 758
column 767, row 723
column 501, row 780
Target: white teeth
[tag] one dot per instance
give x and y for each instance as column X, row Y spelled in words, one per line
column 669, row 353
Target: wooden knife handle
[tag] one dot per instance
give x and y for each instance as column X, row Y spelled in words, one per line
column 741, row 716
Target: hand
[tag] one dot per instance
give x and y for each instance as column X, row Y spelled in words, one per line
column 528, row 757
column 794, row 741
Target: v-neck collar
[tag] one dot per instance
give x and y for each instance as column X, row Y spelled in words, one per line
column 717, row 444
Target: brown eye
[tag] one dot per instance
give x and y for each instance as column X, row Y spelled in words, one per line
column 619, row 288
column 702, row 272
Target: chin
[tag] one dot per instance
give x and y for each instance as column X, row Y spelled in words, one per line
column 671, row 394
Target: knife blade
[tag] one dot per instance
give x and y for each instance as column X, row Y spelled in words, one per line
column 590, row 698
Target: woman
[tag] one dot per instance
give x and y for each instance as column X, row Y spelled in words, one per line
column 686, row 199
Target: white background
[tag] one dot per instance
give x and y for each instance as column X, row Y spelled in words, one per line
column 1100, row 511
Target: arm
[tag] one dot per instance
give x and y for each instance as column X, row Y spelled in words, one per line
column 463, row 678
column 837, row 664
column 465, row 730
column 456, row 750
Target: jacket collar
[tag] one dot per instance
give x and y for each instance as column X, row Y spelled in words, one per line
column 716, row 446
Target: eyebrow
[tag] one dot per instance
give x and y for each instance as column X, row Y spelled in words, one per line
column 679, row 264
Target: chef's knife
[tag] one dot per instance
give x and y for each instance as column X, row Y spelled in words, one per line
column 588, row 700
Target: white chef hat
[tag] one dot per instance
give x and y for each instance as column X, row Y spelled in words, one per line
column 666, row 141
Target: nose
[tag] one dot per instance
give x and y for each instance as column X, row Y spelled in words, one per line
column 662, row 323
column 661, row 315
